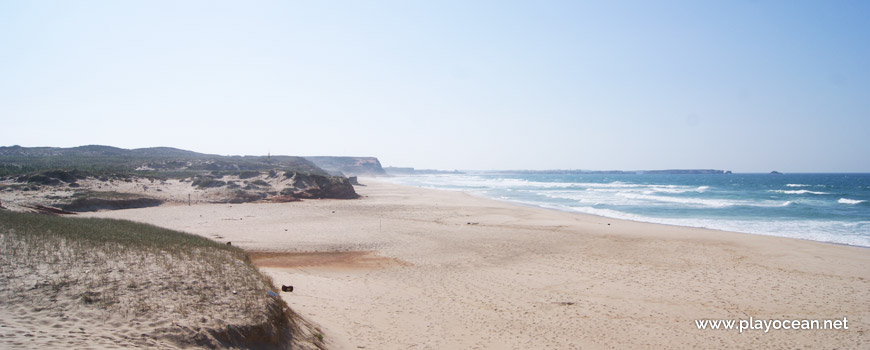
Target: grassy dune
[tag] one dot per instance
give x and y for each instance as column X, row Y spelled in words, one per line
column 105, row 283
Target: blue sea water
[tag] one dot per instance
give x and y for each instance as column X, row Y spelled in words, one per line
column 821, row 207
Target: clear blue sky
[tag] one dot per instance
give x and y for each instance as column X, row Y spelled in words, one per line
column 742, row 85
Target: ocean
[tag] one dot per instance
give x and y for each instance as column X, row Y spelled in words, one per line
column 831, row 208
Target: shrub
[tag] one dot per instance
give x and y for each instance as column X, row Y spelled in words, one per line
column 248, row 174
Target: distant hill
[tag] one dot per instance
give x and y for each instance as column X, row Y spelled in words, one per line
column 22, row 160
column 365, row 166
column 94, row 177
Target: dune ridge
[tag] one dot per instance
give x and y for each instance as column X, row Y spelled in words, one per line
column 99, row 283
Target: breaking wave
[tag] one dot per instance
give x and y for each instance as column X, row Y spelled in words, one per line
column 797, row 192
column 850, row 201
column 807, row 208
column 709, row 202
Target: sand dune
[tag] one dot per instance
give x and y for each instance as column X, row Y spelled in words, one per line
column 108, row 284
column 407, row 268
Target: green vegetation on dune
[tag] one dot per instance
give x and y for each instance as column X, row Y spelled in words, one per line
column 93, row 231
column 195, row 291
column 155, row 161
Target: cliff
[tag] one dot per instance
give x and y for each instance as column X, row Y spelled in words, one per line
column 365, row 166
column 318, row 186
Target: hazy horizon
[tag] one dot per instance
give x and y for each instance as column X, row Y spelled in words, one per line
column 751, row 86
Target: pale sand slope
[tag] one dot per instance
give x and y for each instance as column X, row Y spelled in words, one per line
column 527, row 278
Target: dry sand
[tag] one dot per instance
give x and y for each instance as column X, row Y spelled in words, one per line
column 408, row 268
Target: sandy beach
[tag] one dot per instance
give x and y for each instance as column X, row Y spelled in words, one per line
column 410, row 268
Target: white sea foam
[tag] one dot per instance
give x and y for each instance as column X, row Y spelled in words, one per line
column 584, row 197
column 607, row 198
column 614, row 184
column 611, row 190
column 850, row 201
column 676, row 189
column 797, row 192
column 471, row 181
column 707, row 202
column 614, row 187
column 575, row 195
column 611, row 214
column 648, row 197
column 815, row 230
column 481, row 182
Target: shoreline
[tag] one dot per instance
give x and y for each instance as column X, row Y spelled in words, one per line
column 602, row 217
column 651, row 220
column 530, row 277
column 529, row 205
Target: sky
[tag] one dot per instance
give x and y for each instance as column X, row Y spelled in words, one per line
column 748, row 86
